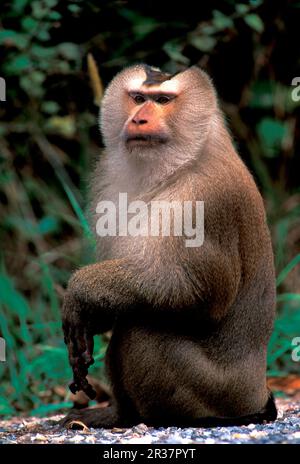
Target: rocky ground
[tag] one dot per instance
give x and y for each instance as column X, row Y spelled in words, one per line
column 36, row 430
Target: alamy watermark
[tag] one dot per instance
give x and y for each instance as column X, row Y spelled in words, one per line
column 156, row 218
column 296, row 350
column 2, row 349
column 296, row 91
column 2, row 89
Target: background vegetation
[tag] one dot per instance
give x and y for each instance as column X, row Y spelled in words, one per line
column 49, row 139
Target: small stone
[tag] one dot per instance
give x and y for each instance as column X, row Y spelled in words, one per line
column 58, row 439
column 251, row 426
column 139, row 440
column 90, row 439
column 257, row 434
column 240, row 436
column 39, row 437
column 210, row 441
column 76, row 439
column 140, row 428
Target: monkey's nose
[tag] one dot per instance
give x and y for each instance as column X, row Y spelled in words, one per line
column 139, row 121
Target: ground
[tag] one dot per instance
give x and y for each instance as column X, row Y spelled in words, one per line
column 46, row 430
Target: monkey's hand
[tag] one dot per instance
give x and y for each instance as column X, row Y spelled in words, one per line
column 79, row 338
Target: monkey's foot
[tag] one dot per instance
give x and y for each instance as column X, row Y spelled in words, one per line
column 91, row 417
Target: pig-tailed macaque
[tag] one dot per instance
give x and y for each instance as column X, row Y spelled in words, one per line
column 190, row 322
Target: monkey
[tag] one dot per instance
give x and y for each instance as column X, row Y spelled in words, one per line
column 190, row 324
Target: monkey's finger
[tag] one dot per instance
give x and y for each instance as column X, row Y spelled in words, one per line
column 76, row 345
column 88, row 358
column 88, row 354
column 73, row 387
column 66, row 331
column 88, row 389
column 90, row 392
column 85, row 351
column 81, row 383
column 83, row 346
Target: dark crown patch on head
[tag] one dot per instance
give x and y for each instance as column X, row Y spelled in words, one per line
column 155, row 76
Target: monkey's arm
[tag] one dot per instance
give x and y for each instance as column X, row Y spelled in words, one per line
column 89, row 307
column 192, row 286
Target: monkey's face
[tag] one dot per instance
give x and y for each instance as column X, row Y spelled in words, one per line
column 144, row 108
column 147, row 123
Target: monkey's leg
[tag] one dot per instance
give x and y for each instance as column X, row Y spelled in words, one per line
column 267, row 414
column 193, row 390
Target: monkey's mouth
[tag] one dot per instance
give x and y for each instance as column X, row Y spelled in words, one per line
column 145, row 139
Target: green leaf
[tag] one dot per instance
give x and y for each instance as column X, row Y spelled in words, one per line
column 242, row 8
column 46, row 408
column 204, row 43
column 284, row 347
column 295, row 261
column 37, row 77
column 145, row 27
column 221, row 21
column 64, row 125
column 141, row 25
column 288, row 297
column 29, row 23
column 54, row 15
column 43, row 34
column 255, row 3
column 7, row 34
column 262, row 94
column 31, row 83
column 19, row 5
column 18, row 64
column 10, row 37
column 5, row 407
column 10, row 297
column 78, row 210
column 255, row 22
column 207, row 29
column 39, row 10
column 74, row 8
column 272, row 133
column 69, row 50
column 37, row 51
column 50, row 107
column 48, row 225
column 51, row 3
column 24, row 226
column 174, row 51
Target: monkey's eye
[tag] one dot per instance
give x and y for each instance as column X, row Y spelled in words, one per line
column 139, row 99
column 163, row 100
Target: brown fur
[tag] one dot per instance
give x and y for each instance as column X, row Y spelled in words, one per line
column 190, row 325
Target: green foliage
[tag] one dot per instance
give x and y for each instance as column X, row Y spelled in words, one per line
column 272, row 134
column 254, row 21
column 48, row 137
